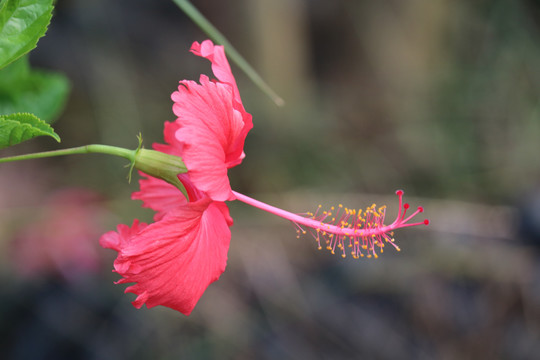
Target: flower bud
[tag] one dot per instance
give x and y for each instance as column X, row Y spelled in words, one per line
column 162, row 166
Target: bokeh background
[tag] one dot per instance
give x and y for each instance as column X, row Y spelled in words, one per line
column 436, row 97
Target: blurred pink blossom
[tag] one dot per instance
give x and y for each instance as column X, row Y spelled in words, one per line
column 63, row 239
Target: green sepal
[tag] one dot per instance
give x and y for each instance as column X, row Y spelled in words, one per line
column 162, row 166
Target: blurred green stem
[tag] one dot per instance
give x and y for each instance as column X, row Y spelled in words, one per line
column 235, row 56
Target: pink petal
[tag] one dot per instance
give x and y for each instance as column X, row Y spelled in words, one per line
column 220, row 65
column 212, row 133
column 173, row 146
column 222, row 70
column 173, row 261
column 163, row 197
column 158, row 195
column 116, row 240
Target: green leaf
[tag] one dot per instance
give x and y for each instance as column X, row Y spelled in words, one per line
column 23, row 89
column 16, row 128
column 22, row 23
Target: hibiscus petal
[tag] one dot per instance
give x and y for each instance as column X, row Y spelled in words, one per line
column 220, row 65
column 173, row 146
column 173, row 261
column 158, row 195
column 210, row 132
column 116, row 240
column 222, row 70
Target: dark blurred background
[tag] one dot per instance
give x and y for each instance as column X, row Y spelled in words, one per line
column 437, row 97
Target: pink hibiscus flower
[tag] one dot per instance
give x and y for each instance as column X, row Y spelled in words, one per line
column 173, row 260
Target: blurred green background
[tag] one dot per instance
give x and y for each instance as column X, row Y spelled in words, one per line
column 436, row 97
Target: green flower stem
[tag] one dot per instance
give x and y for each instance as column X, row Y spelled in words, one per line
column 87, row 149
column 235, row 56
column 154, row 163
